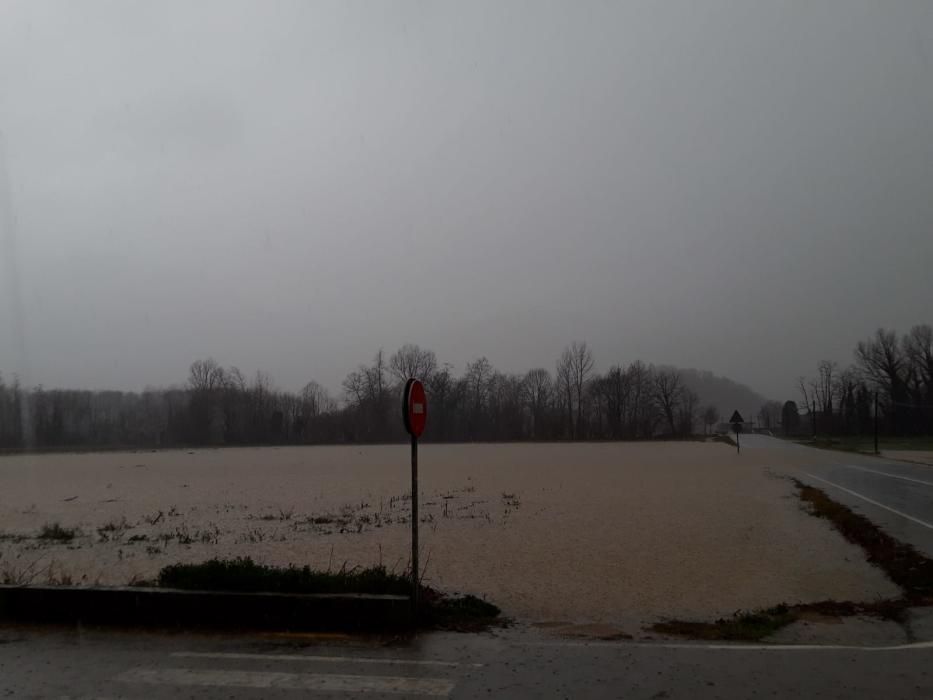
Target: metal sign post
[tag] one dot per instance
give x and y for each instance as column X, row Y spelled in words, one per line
column 414, row 416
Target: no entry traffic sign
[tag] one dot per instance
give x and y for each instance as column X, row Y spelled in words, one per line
column 414, row 415
column 414, row 407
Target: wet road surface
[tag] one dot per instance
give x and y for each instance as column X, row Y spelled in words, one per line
column 896, row 496
column 73, row 665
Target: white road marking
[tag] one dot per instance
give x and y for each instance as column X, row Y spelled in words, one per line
column 872, row 501
column 323, row 682
column 893, row 476
column 332, row 659
column 917, row 646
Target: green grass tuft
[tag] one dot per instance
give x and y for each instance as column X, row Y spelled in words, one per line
column 741, row 627
column 244, row 575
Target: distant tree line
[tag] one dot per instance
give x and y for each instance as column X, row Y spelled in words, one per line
column 220, row 406
column 898, row 369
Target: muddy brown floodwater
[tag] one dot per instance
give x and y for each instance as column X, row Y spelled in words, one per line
column 599, row 532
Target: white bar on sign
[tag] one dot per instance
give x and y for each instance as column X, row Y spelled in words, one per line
column 417, row 408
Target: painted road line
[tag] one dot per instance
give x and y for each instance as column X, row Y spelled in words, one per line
column 331, row 659
column 270, row 680
column 872, row 501
column 916, row 646
column 893, row 476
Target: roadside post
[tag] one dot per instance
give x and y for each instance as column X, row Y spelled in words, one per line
column 414, row 416
column 737, row 421
column 876, row 423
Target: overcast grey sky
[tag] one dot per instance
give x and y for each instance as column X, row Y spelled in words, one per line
column 745, row 187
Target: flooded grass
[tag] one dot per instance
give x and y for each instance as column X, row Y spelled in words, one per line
column 903, row 564
column 907, row 567
column 57, row 533
column 546, row 531
column 741, row 627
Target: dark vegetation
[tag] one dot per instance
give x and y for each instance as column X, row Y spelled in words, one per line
column 743, row 626
column 57, row 533
column 840, row 402
column 220, row 406
column 903, row 564
column 244, row 575
column 864, row 444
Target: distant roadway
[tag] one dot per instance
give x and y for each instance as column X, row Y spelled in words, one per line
column 896, row 496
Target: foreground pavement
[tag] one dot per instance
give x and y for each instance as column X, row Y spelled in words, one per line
column 514, row 663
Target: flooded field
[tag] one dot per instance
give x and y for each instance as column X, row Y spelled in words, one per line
column 609, row 532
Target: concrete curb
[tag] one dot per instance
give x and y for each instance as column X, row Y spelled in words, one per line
column 170, row 607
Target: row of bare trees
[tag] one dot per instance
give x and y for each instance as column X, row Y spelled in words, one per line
column 219, row 405
column 896, row 369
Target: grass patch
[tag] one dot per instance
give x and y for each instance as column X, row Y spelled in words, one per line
column 743, row 626
column 463, row 613
column 244, row 575
column 56, row 533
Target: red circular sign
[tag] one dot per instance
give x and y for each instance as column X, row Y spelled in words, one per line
column 414, row 407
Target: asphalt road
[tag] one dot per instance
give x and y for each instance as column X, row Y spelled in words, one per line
column 70, row 665
column 897, row 496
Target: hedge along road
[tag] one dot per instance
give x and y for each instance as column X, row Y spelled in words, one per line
column 897, row 496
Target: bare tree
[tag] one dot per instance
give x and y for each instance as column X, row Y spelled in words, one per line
column 687, row 411
column 668, row 391
column 710, row 417
column 206, row 379
column 354, row 389
column 808, row 393
column 882, row 360
column 536, row 391
column 476, row 383
column 411, row 361
column 644, row 415
column 315, row 400
column 918, row 348
column 564, row 382
column 205, row 375
column 573, row 370
column 826, row 387
column 769, row 415
column 582, row 366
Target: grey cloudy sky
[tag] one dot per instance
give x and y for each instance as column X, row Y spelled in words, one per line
column 739, row 186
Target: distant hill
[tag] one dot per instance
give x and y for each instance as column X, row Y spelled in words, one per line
column 723, row 393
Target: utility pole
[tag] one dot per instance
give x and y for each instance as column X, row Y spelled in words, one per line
column 876, row 422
